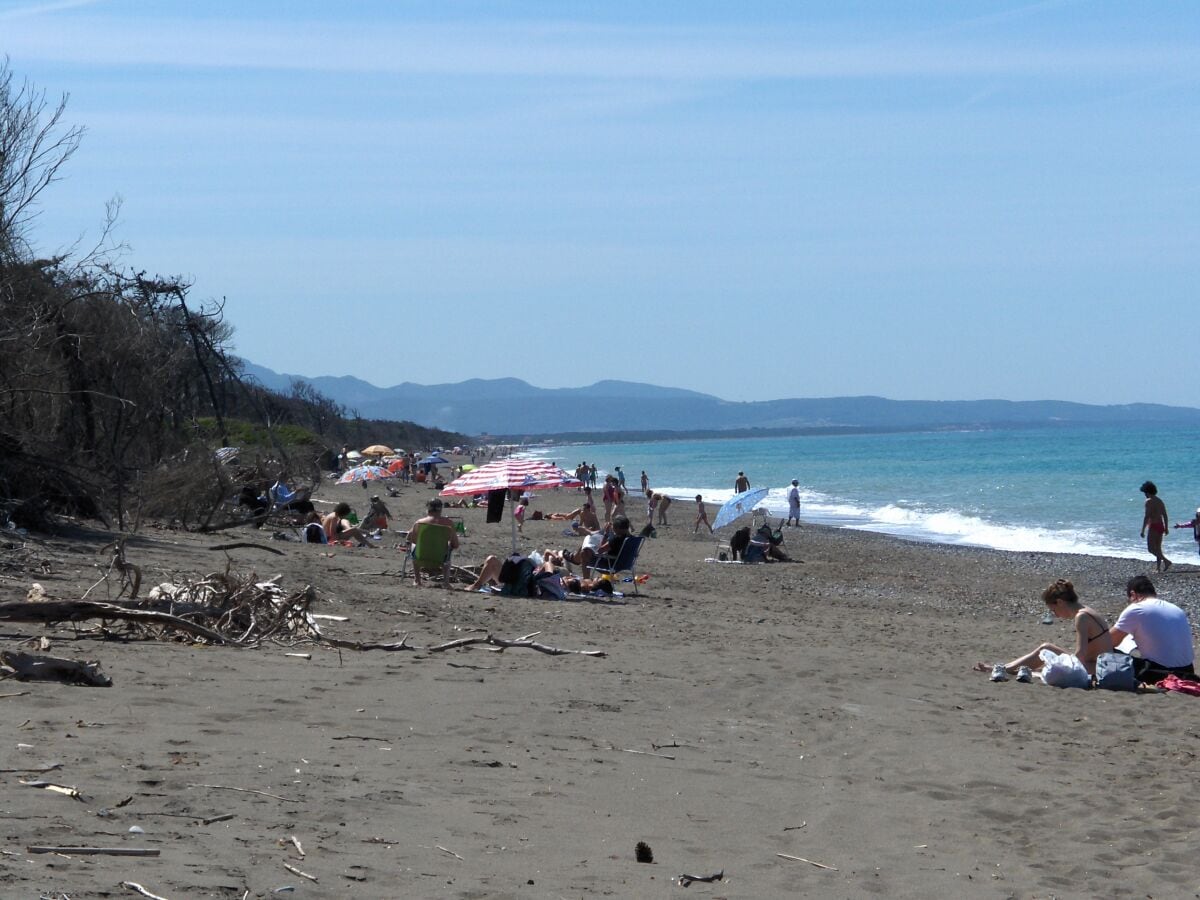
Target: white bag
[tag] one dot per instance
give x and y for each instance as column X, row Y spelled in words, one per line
column 1064, row 670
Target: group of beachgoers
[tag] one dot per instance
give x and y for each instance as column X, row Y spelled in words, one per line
column 1160, row 632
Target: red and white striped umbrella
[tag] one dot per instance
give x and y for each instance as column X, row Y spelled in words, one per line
column 509, row 474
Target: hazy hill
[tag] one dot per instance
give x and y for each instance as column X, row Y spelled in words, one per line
column 509, row 406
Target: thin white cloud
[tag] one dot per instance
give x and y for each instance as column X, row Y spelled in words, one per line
column 565, row 50
column 40, row 9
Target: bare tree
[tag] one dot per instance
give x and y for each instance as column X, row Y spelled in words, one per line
column 34, row 145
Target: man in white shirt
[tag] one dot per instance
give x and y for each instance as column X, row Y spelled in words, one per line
column 1160, row 630
column 793, row 496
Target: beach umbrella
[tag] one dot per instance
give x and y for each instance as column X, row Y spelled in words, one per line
column 377, row 450
column 510, row 474
column 363, row 473
column 433, row 460
column 738, row 505
column 396, row 466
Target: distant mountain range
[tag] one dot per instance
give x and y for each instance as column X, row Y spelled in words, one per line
column 511, row 407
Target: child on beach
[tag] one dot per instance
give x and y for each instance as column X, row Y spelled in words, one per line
column 1091, row 636
column 701, row 515
column 519, row 514
column 1195, row 526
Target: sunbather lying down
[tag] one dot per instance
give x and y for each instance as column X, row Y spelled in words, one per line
column 552, row 564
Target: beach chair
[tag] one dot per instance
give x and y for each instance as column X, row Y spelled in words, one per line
column 429, row 551
column 626, row 560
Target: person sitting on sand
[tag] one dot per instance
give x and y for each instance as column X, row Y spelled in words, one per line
column 1160, row 630
column 338, row 528
column 377, row 516
column 1091, row 635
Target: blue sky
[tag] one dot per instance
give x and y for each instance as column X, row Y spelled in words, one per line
column 921, row 200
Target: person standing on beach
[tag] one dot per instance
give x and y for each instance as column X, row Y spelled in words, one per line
column 701, row 515
column 609, row 497
column 1161, row 631
column 645, row 484
column 741, row 484
column 1154, row 525
column 1195, row 526
column 620, row 476
column 793, row 496
column 664, row 503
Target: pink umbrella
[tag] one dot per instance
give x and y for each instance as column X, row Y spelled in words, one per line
column 511, row 474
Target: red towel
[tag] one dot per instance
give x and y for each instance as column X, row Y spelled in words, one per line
column 1182, row 685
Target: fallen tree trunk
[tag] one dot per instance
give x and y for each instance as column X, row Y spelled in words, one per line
column 53, row 611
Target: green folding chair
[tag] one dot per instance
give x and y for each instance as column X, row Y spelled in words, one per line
column 429, row 551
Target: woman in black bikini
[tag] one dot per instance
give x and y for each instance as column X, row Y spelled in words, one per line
column 1091, row 632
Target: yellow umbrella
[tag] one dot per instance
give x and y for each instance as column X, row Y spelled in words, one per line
column 377, row 450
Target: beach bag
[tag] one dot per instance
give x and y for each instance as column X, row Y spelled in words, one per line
column 1063, row 670
column 1114, row 672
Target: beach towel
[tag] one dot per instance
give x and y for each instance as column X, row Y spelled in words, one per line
column 1180, row 685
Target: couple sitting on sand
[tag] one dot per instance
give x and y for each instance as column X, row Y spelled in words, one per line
column 1159, row 629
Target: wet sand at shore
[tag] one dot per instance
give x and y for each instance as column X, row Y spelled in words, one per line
column 823, row 709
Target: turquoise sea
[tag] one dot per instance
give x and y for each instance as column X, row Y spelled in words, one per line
column 1068, row 490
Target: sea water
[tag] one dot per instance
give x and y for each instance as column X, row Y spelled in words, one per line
column 1064, row 490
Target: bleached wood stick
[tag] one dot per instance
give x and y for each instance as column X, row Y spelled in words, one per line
column 809, row 861
column 221, row 787
column 502, row 644
column 296, row 871
column 642, row 752
column 134, row 886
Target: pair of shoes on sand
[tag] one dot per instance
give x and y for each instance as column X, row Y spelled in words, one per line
column 999, row 673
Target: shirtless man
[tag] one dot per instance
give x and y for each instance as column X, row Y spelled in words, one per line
column 433, row 517
column 338, row 528
column 741, row 483
column 1154, row 525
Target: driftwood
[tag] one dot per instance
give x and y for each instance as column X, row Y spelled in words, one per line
column 223, row 608
column 53, row 611
column 28, row 667
column 137, row 888
column 686, row 879
column 522, row 643
column 248, row 545
column 131, row 575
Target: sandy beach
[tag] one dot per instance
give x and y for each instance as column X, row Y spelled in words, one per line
column 808, row 729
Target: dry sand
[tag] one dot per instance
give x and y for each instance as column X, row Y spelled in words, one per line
column 824, row 709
